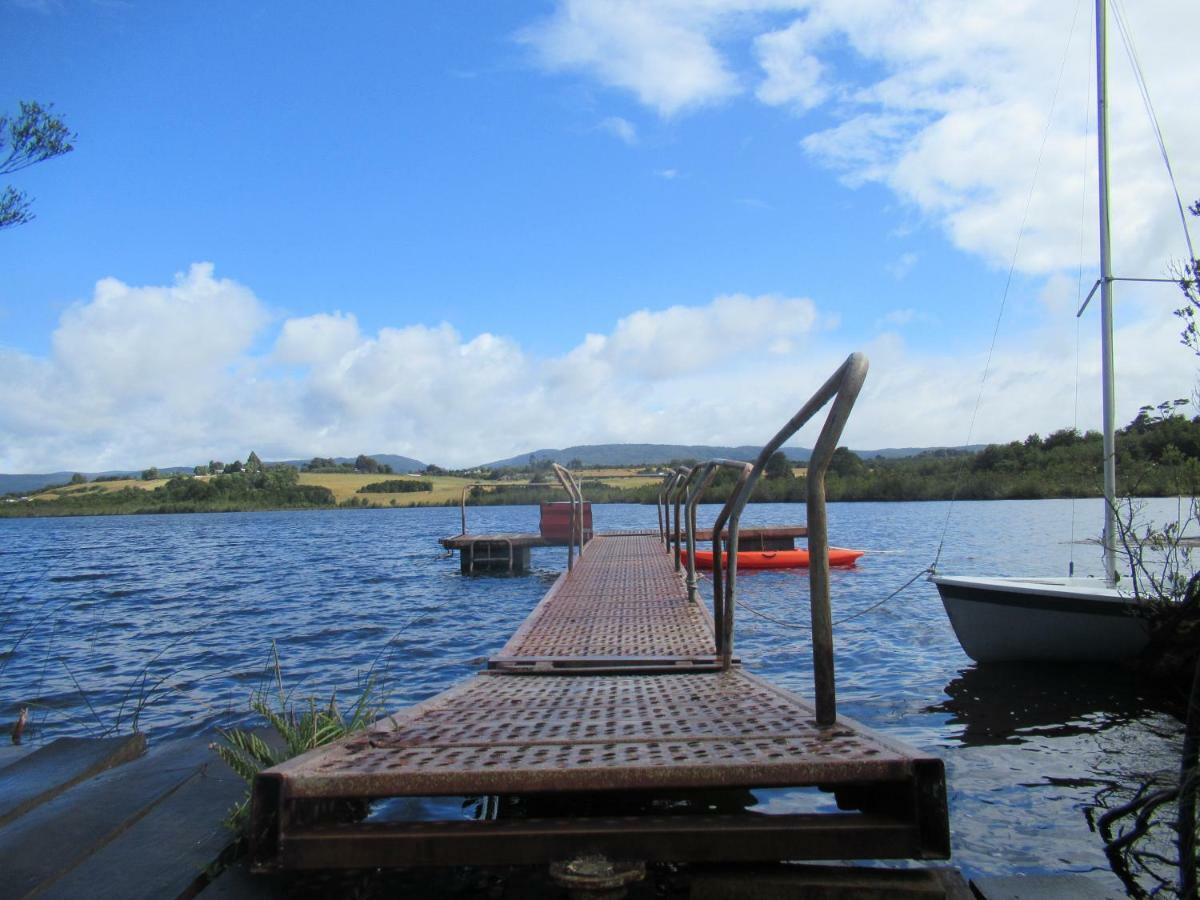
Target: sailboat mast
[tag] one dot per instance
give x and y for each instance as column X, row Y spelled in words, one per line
column 1106, row 309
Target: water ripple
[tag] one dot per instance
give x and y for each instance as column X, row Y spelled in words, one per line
column 178, row 618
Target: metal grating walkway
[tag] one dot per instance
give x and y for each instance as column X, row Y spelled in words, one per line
column 609, row 689
column 623, row 600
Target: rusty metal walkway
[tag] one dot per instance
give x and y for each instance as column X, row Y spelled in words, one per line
column 623, row 606
column 610, row 722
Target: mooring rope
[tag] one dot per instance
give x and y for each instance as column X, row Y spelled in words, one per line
column 862, row 612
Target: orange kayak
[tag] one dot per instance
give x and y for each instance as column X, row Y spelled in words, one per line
column 775, row 559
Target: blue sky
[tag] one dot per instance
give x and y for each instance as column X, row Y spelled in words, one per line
column 462, row 231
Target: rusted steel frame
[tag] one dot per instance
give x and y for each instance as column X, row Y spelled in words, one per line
column 675, row 495
column 725, row 582
column 842, row 388
column 567, row 480
column 678, row 838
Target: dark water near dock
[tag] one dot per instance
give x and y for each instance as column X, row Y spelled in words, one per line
column 169, row 621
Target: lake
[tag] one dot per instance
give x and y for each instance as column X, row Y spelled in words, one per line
column 168, row 623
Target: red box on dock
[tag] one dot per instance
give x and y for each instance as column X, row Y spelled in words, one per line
column 556, row 521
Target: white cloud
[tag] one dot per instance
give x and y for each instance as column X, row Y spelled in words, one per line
column 621, row 129
column 943, row 102
column 659, row 51
column 177, row 374
column 317, row 339
column 795, row 76
column 668, row 174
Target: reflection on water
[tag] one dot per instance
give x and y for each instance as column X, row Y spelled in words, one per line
column 174, row 616
column 1010, row 703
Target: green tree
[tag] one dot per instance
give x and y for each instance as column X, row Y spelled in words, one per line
column 32, row 136
column 78, row 478
column 367, row 464
column 253, row 463
column 846, row 463
column 150, row 474
column 778, row 466
column 1189, row 283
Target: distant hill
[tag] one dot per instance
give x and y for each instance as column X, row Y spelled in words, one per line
column 25, row 484
column 657, row 454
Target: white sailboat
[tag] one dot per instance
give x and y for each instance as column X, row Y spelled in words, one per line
column 1065, row 619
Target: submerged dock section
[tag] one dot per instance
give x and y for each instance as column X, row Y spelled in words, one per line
column 618, row 721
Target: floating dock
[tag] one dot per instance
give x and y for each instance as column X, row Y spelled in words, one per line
column 610, row 692
column 617, row 721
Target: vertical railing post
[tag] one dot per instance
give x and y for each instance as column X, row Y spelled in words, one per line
column 664, row 500
column 721, row 599
column 567, row 480
column 684, row 472
column 842, row 388
column 693, row 582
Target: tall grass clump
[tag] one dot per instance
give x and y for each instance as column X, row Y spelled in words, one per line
column 299, row 725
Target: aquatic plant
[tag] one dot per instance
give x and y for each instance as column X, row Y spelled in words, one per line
column 299, row 725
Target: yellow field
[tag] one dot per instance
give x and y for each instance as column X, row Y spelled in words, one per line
column 346, row 485
column 106, row 486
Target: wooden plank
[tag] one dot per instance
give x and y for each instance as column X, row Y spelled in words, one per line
column 10, row 753
column 1044, row 887
column 52, row 769
column 168, row 852
column 49, row 841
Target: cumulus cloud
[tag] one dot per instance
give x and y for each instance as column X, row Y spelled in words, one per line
column 196, row 370
column 945, row 103
column 660, row 51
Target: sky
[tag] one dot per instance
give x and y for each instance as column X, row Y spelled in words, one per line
column 464, row 231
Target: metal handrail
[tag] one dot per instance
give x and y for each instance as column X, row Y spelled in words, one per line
column 675, row 495
column 571, row 486
column 664, row 510
column 843, row 388
column 725, row 579
column 708, row 473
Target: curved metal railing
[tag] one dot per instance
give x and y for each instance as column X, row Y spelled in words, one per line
column 842, row 388
column 571, row 486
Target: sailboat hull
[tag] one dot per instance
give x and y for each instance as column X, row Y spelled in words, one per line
column 1063, row 619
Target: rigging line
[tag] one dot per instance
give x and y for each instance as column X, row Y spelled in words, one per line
column 862, row 612
column 1143, row 88
column 1007, row 284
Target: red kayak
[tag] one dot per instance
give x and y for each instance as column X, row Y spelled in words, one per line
column 775, row 559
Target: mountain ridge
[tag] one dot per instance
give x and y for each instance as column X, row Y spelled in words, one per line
column 588, row 454
column 657, row 454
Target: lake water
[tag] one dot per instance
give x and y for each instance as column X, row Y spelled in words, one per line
column 169, row 621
